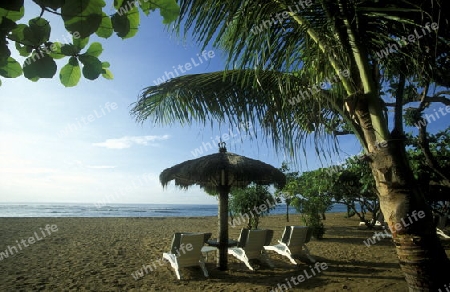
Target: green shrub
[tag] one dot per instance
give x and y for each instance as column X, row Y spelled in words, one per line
column 250, row 204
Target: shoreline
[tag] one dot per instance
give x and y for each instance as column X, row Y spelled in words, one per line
column 124, row 210
column 160, row 217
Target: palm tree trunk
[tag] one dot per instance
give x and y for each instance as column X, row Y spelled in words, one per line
column 421, row 255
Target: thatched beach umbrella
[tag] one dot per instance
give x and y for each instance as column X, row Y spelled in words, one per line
column 222, row 171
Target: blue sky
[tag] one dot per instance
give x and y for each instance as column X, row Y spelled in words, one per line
column 81, row 145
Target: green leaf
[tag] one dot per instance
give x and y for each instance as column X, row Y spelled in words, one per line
column 107, row 74
column 83, row 17
column 12, row 15
column 6, row 25
column 121, row 24
column 80, row 43
column 69, row 50
column 126, row 25
column 105, row 30
column 12, row 69
column 55, row 50
column 169, row 9
column 24, row 51
column 4, row 53
column 70, row 74
column 146, row 7
column 53, row 4
column 17, row 34
column 126, row 7
column 14, row 5
column 92, row 67
column 33, row 58
column 94, row 50
column 105, row 64
column 38, row 31
column 40, row 67
column 118, row 4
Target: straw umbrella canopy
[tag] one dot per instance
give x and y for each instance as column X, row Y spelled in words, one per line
column 222, row 171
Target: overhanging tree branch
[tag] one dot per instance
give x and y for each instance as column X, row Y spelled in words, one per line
column 438, row 97
column 424, row 143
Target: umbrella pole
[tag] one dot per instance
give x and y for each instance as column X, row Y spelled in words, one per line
column 223, row 228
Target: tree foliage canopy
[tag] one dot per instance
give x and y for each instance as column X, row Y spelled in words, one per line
column 430, row 162
column 296, row 54
column 82, row 19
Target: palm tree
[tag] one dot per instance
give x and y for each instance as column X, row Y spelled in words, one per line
column 318, row 68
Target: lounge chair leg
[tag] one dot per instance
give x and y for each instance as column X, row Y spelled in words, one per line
column 177, row 272
column 291, row 259
column 313, row 260
column 172, row 260
column 308, row 255
column 246, row 262
column 205, row 271
column 266, row 259
column 287, row 254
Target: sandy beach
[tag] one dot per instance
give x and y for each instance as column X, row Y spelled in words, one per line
column 101, row 254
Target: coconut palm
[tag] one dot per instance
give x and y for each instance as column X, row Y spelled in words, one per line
column 316, row 68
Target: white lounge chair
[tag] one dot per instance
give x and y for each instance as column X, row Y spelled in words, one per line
column 205, row 249
column 251, row 246
column 186, row 251
column 293, row 243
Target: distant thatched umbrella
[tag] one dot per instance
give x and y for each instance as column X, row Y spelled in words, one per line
column 222, row 171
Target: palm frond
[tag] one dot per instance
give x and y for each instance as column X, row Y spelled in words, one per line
column 281, row 104
column 242, row 28
column 279, row 59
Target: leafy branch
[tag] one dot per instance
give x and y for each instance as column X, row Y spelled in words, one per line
column 81, row 19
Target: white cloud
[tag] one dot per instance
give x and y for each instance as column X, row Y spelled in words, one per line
column 26, row 170
column 128, row 141
column 101, row 166
column 73, row 164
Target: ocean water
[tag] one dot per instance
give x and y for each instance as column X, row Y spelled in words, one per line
column 122, row 210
